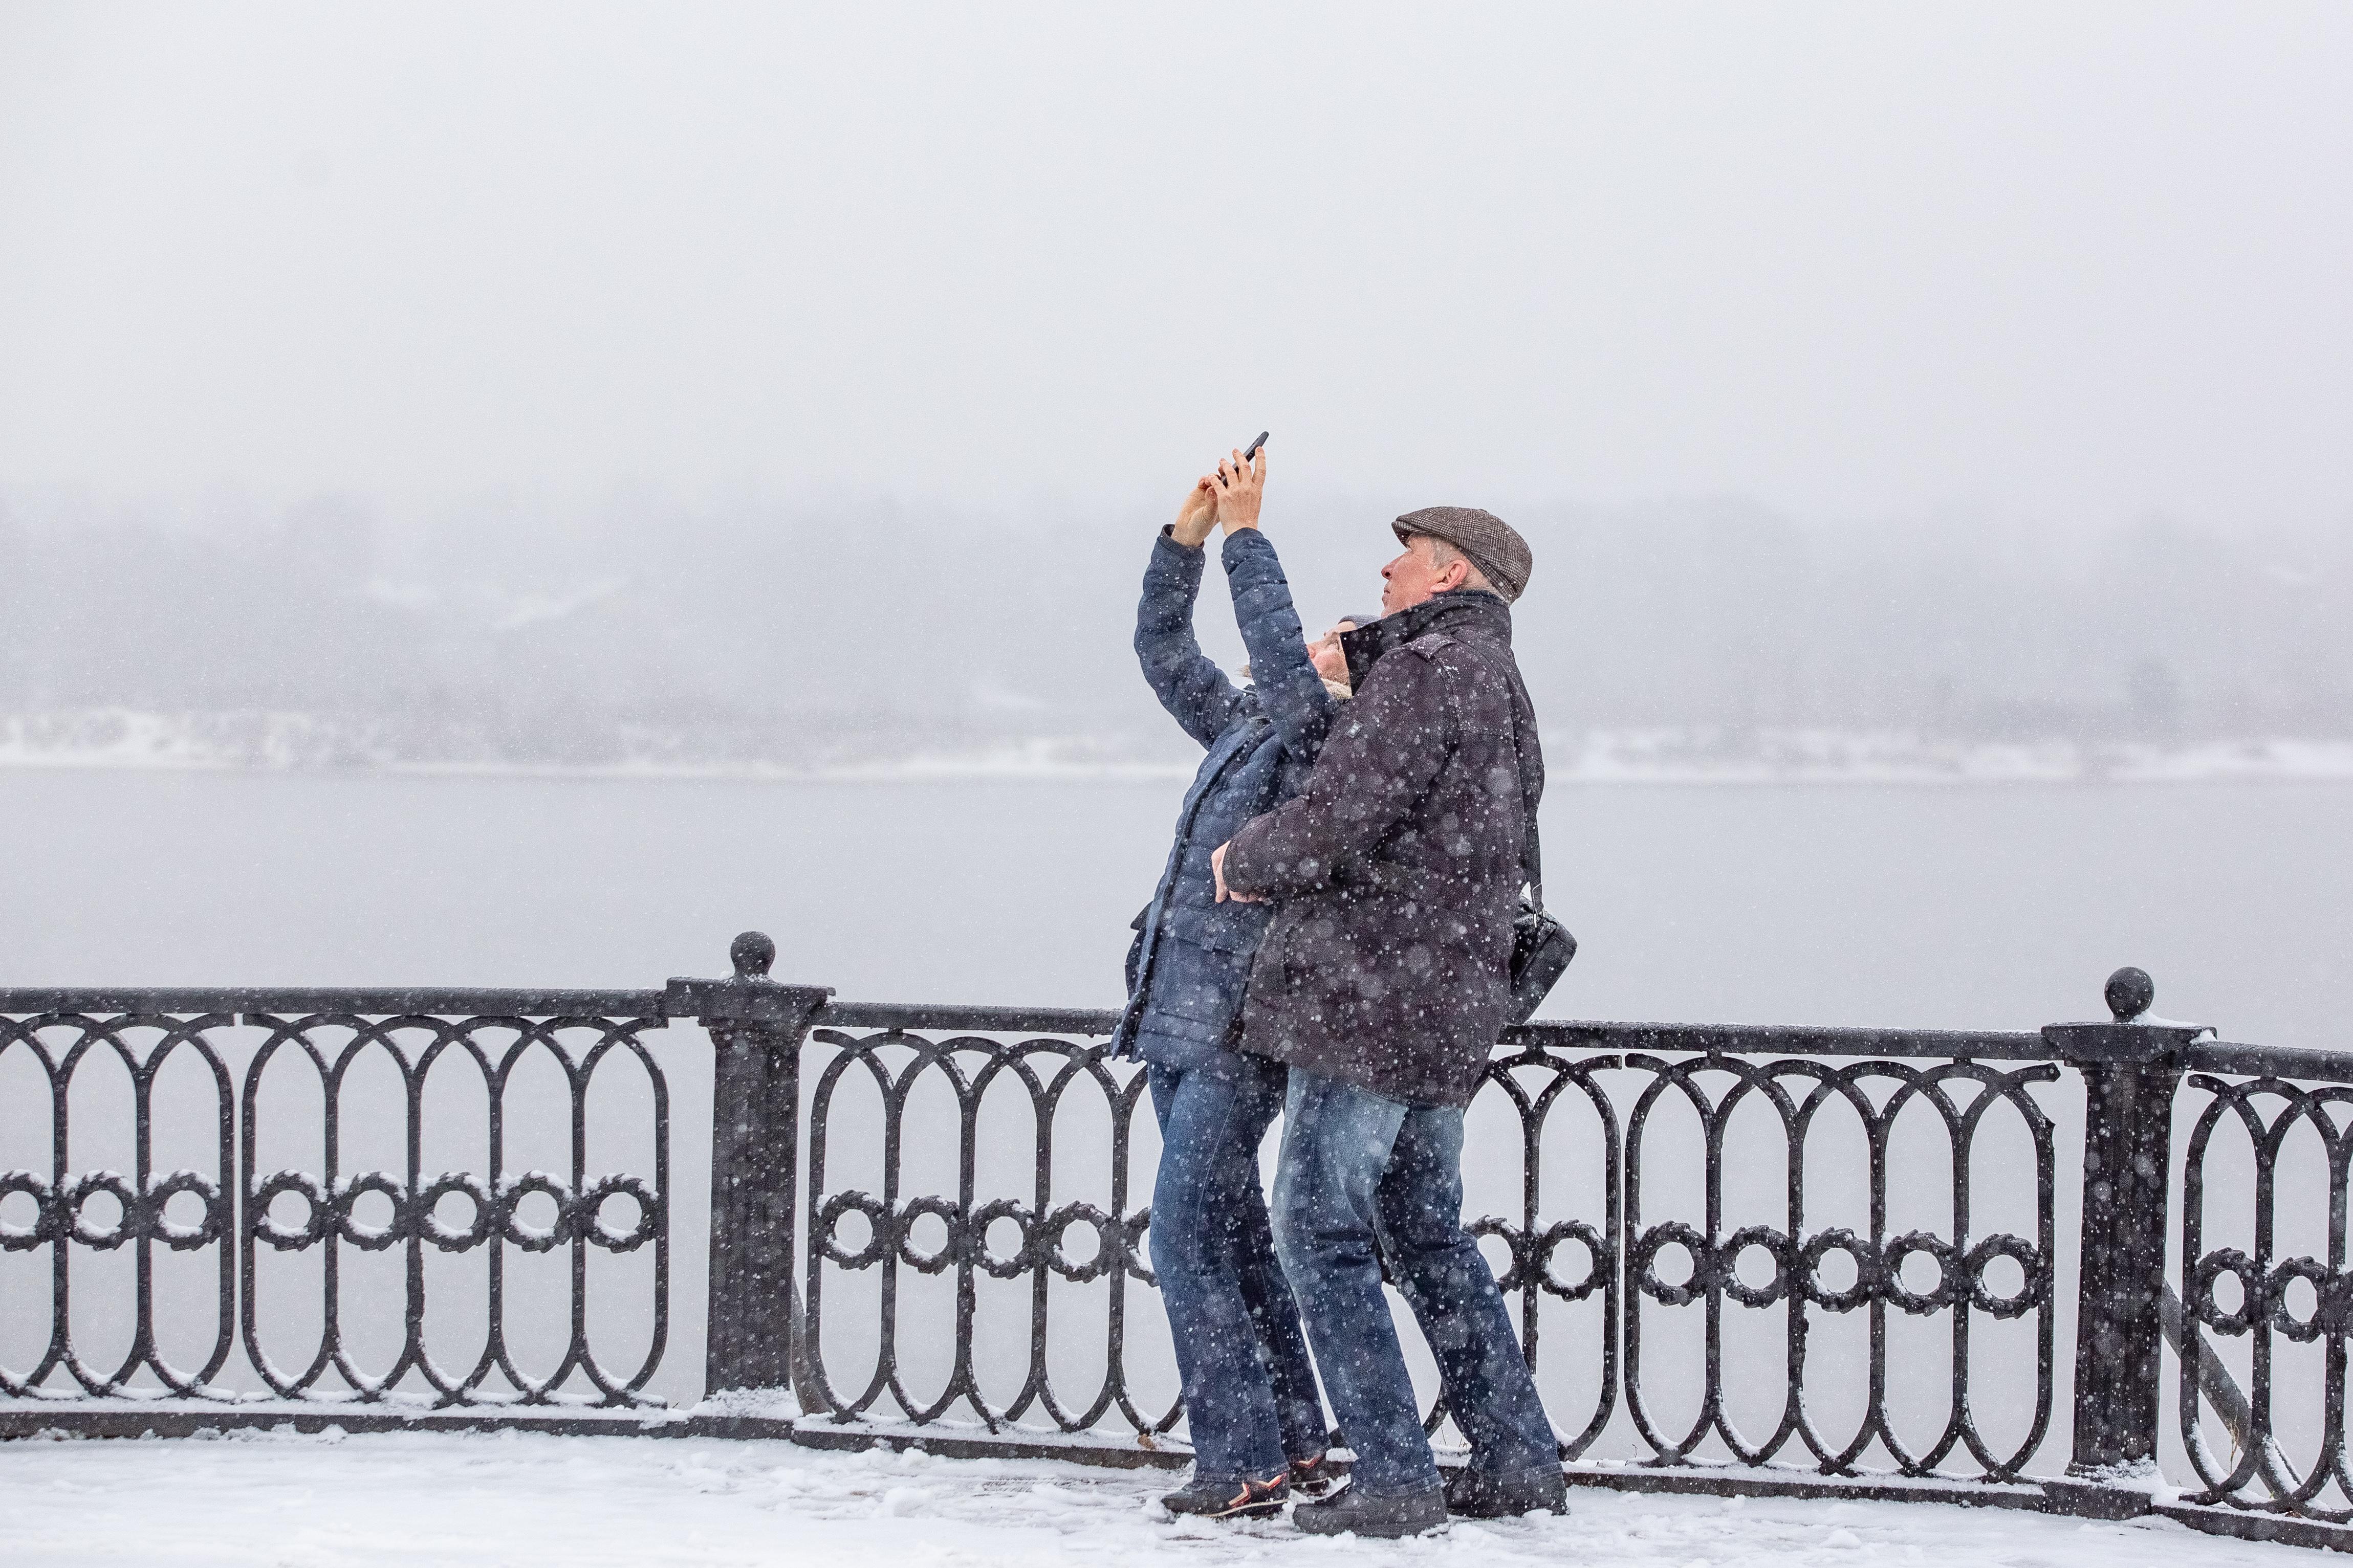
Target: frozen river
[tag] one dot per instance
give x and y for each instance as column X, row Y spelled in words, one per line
column 1990, row 907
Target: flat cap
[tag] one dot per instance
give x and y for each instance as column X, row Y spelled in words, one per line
column 1486, row 541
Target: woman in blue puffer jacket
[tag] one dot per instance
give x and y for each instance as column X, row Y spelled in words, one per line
column 1250, row 1390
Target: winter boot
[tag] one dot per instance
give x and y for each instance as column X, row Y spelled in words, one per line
column 1229, row 1499
column 1313, row 1478
column 1352, row 1509
column 1480, row 1494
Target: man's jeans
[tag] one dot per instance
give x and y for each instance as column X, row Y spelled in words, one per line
column 1355, row 1168
column 1250, row 1390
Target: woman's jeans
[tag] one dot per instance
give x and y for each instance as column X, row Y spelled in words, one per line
column 1359, row 1171
column 1250, row 1390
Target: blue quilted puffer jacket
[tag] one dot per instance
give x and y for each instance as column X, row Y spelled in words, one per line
column 1190, row 962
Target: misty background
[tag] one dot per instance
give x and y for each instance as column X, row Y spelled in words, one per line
column 593, row 386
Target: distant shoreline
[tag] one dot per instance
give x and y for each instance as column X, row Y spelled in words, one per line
column 290, row 745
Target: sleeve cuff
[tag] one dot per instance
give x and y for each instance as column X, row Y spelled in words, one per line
column 1244, row 541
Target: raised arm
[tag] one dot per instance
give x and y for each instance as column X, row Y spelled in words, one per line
column 1187, row 681
column 1295, row 699
column 1384, row 749
column 1292, row 693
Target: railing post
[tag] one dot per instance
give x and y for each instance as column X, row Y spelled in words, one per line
column 2131, row 1067
column 756, row 1027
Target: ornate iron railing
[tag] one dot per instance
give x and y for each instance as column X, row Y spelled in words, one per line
column 1743, row 1258
column 2284, row 1294
column 247, row 1208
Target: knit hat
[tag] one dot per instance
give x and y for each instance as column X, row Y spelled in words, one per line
column 1486, row 541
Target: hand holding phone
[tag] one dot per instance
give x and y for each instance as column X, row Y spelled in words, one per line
column 1242, row 482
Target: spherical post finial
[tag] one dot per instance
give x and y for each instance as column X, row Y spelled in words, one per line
column 753, row 954
column 2130, row 992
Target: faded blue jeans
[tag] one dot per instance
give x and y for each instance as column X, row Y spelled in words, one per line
column 1359, row 1171
column 1249, row 1389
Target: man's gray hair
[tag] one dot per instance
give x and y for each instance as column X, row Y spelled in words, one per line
column 1442, row 554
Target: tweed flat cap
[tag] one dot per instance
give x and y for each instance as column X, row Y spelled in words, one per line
column 1486, row 541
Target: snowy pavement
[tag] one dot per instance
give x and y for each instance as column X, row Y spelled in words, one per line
column 513, row 1499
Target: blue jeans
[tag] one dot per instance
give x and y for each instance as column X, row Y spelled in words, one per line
column 1249, row 1389
column 1360, row 1170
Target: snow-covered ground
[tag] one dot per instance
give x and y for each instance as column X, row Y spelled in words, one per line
column 484, row 1501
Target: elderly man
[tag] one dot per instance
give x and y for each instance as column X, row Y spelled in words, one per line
column 1383, row 985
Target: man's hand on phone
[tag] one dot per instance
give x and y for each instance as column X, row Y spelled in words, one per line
column 1240, row 486
column 1218, row 870
column 1198, row 517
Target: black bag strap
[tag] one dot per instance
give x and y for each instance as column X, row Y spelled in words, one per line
column 1531, row 847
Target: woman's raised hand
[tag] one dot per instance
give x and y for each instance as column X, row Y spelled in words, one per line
column 1198, row 517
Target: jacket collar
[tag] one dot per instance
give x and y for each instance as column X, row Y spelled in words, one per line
column 1463, row 613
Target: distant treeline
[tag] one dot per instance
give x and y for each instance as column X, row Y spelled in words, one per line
column 819, row 631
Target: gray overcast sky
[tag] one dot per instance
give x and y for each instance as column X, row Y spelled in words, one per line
column 2050, row 261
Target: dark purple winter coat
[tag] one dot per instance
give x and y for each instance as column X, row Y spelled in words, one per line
column 1398, row 870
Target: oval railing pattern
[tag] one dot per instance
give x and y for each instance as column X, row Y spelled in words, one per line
column 1736, row 1251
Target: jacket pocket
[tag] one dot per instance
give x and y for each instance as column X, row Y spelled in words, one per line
column 1228, row 927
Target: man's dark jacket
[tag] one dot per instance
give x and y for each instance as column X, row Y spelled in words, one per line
column 1397, row 871
column 1191, row 957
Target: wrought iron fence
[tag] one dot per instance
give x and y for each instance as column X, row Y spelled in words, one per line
column 1709, row 1228
column 244, row 1208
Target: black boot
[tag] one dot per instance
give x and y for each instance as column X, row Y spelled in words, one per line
column 1229, row 1499
column 1479, row 1494
column 1313, row 1478
column 1388, row 1517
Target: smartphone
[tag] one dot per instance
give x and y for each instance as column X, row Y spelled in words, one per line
column 1251, row 450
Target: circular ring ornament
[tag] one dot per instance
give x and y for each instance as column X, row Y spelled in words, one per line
column 1131, row 1245
column 1510, row 1235
column 186, row 1239
column 2303, row 1330
column 81, row 1190
column 1057, row 1227
column 1645, row 1257
column 1596, row 1255
column 589, row 1219
column 316, row 1218
column 829, row 1229
column 2336, row 1304
column 903, row 1236
column 1809, row 1271
column 369, row 1237
column 46, row 1216
column 511, row 1201
column 1948, row 1259
column 2031, row 1289
column 1783, row 1252
column 477, row 1229
column 2202, row 1305
column 1024, row 1258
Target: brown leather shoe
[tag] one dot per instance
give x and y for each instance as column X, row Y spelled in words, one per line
column 1229, row 1499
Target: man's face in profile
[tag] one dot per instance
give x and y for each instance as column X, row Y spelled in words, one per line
column 1413, row 577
